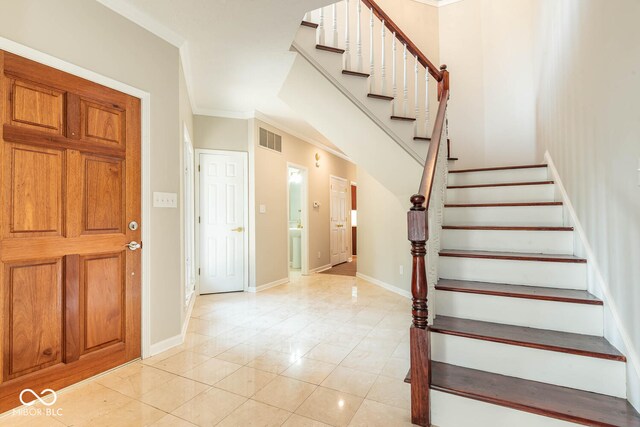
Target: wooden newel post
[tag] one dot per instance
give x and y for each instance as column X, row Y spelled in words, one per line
column 443, row 84
column 419, row 333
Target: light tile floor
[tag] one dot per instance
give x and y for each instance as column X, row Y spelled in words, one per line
column 322, row 350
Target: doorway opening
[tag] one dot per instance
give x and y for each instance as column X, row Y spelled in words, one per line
column 297, row 220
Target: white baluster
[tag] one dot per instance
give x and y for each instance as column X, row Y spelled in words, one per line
column 347, row 51
column 307, row 17
column 405, row 100
column 426, row 102
column 335, row 25
column 359, row 37
column 394, row 73
column 415, row 93
column 372, row 79
column 321, row 27
column 383, row 76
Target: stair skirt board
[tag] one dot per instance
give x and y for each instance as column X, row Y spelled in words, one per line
column 533, row 273
column 552, row 367
column 584, row 319
column 507, row 193
column 498, row 176
column 449, row 410
column 505, row 215
column 531, row 241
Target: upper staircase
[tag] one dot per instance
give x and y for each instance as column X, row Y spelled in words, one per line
column 505, row 332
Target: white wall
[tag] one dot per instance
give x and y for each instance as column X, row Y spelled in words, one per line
column 87, row 34
column 488, row 45
column 587, row 82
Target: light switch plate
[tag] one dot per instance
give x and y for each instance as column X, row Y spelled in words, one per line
column 165, row 200
column 263, row 208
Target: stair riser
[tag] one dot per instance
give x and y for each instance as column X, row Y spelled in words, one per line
column 583, row 319
column 506, row 194
column 548, row 242
column 550, row 216
column 567, row 370
column 449, row 410
column 535, row 273
column 499, row 177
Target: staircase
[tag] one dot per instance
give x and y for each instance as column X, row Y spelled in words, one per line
column 504, row 330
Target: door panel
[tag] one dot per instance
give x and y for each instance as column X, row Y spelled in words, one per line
column 36, row 107
column 102, row 289
column 33, row 294
column 222, row 227
column 33, row 184
column 70, row 182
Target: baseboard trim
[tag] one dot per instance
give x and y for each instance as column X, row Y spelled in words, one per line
column 621, row 337
column 384, row 285
column 175, row 340
column 320, row 269
column 268, row 285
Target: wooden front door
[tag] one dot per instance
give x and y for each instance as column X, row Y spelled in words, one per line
column 69, row 186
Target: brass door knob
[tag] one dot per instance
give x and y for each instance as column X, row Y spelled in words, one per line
column 239, row 229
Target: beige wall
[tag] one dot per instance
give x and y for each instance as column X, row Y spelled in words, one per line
column 587, row 117
column 488, row 45
column 87, row 34
column 219, row 133
column 382, row 234
column 271, row 228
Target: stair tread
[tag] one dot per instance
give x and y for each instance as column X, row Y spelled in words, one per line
column 495, row 205
column 379, row 96
column 502, row 184
column 512, row 256
column 519, row 291
column 499, row 168
column 329, row 48
column 564, row 342
column 309, row 24
column 535, row 397
column 505, row 228
column 409, row 119
column 421, row 138
column 355, row 73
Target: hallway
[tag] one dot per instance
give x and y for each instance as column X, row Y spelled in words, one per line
column 322, row 350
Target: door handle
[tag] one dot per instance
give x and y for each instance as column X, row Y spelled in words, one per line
column 133, row 246
column 238, row 229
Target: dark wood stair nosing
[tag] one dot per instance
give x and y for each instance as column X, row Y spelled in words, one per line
column 422, row 138
column 513, row 256
column 379, row 96
column 500, row 168
column 502, row 184
column 505, row 228
column 501, row 205
column 309, row 24
column 329, row 48
column 355, row 73
column 611, row 355
column 517, row 291
column 591, row 409
column 403, row 118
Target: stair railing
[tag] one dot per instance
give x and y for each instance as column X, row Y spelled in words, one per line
column 426, row 204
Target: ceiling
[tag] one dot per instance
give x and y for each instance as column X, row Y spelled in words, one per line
column 235, row 53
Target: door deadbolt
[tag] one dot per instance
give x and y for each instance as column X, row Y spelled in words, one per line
column 133, row 226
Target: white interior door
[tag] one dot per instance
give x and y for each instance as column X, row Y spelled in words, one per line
column 338, row 208
column 222, row 222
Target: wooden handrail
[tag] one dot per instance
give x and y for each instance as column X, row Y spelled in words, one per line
column 404, row 39
column 429, row 172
